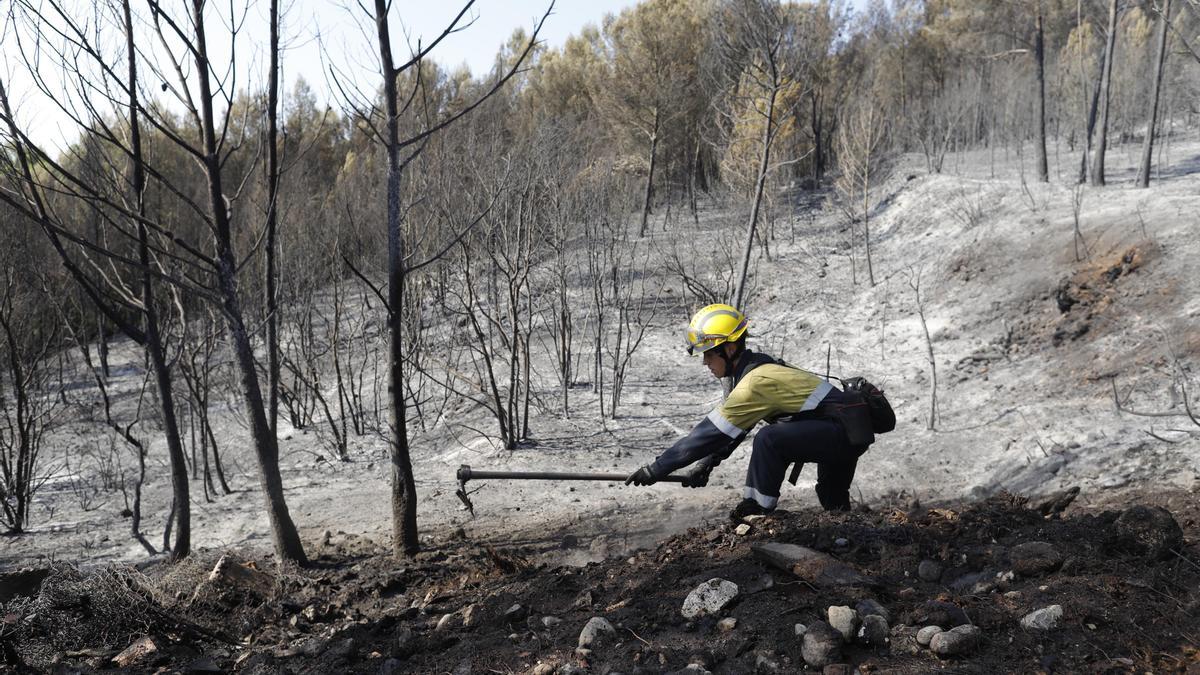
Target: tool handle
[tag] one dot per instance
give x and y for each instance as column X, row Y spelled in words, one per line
column 466, row 473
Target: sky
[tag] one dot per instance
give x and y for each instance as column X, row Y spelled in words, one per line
column 317, row 36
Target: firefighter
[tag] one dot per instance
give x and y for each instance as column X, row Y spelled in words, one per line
column 796, row 405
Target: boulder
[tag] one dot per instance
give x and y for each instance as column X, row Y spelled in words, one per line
column 595, row 632
column 844, row 620
column 1046, row 618
column 819, row 569
column 957, row 641
column 709, row 598
column 1149, row 530
column 1035, row 558
column 822, row 645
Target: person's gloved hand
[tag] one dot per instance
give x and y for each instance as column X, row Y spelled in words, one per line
column 643, row 476
column 697, row 477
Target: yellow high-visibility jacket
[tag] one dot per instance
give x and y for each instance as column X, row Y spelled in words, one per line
column 764, row 389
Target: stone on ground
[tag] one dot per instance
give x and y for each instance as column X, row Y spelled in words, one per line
column 1149, row 530
column 822, row 645
column 1046, row 618
column 815, row 567
column 874, row 631
column 870, row 607
column 709, row 598
column 1035, row 558
column 595, row 632
column 925, row 635
column 957, row 641
column 844, row 620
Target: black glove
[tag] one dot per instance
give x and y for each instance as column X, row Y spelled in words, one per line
column 697, row 477
column 643, row 476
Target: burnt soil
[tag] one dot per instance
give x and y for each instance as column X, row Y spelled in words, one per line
column 1128, row 607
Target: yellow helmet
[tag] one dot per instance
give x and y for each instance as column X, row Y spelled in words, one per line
column 714, row 325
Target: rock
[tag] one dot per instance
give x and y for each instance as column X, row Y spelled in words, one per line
column 1149, row 530
column 939, row 613
column 515, row 613
column 822, row 645
column 136, row 652
column 542, row 669
column 742, row 530
column 800, row 629
column 874, row 631
column 1046, row 618
column 844, row 620
column 957, row 641
column 551, row 621
column 472, row 616
column 819, row 569
column 727, row 624
column 926, row 634
column 571, row 669
column 841, row 542
column 1035, row 558
column 449, row 621
column 870, row 607
column 929, row 570
column 709, row 598
column 594, row 633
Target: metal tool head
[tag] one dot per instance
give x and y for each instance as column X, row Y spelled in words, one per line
column 464, row 474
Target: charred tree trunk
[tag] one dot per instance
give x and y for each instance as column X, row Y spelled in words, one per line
column 1152, row 117
column 272, row 225
column 1105, row 83
column 404, row 490
column 283, row 529
column 1039, row 54
column 650, row 176
column 154, row 346
column 759, row 187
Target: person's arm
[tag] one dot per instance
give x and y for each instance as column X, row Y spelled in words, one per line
column 713, row 437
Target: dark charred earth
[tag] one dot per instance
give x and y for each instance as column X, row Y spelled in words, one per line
column 1011, row 585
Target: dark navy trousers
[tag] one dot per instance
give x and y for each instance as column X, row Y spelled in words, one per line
column 812, row 440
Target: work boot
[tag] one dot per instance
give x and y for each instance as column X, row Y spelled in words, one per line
column 748, row 507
